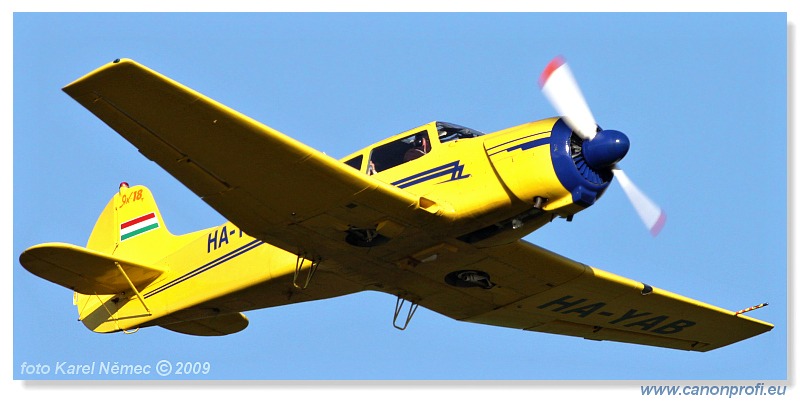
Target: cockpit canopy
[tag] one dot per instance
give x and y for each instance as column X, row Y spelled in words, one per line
column 408, row 146
column 450, row 132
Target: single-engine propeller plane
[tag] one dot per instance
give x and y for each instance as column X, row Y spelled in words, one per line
column 434, row 216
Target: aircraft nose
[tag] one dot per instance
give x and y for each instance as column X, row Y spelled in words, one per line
column 606, row 148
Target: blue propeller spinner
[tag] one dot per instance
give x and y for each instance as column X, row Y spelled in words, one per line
column 606, row 149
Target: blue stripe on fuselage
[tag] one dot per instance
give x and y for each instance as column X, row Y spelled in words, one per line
column 454, row 169
column 214, row 263
column 524, row 146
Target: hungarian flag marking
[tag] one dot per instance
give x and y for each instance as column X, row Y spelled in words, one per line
column 137, row 226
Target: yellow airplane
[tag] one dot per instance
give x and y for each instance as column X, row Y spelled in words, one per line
column 433, row 216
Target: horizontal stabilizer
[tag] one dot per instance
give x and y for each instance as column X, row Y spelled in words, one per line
column 86, row 271
column 225, row 324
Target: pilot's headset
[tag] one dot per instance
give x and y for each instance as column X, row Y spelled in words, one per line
column 418, row 140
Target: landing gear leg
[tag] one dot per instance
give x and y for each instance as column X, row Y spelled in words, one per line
column 398, row 307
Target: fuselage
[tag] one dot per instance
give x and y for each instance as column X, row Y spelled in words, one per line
column 495, row 188
column 519, row 178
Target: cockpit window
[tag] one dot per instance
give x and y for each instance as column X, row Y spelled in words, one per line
column 450, row 132
column 355, row 163
column 398, row 152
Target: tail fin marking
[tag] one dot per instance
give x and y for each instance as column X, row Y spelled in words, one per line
column 137, row 226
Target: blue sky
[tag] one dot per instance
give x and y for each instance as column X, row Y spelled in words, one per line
column 701, row 96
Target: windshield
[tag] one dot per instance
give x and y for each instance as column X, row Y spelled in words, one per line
column 450, row 132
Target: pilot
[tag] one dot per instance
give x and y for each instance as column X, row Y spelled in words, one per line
column 421, row 147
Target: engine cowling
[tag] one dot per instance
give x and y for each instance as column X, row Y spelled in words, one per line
column 547, row 160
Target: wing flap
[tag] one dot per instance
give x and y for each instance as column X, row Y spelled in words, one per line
column 609, row 334
column 86, row 271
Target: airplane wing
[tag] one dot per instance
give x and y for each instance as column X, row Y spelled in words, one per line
column 272, row 186
column 538, row 290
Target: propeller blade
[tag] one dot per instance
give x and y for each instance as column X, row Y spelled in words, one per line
column 651, row 214
column 561, row 89
column 559, row 86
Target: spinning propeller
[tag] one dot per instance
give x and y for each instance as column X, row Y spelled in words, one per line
column 602, row 149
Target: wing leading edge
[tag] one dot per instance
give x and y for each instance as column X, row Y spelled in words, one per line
column 270, row 185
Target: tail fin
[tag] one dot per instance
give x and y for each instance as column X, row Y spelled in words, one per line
column 131, row 227
column 125, row 249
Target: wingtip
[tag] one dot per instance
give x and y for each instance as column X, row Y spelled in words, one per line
column 115, row 64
